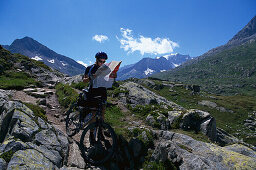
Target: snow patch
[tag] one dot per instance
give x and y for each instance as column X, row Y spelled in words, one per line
column 162, row 70
column 64, row 64
column 36, row 58
column 51, row 61
column 148, row 71
column 166, row 56
column 176, row 65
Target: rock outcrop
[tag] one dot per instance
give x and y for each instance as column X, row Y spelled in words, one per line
column 27, row 140
column 187, row 153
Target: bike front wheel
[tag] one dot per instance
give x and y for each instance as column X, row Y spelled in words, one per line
column 98, row 143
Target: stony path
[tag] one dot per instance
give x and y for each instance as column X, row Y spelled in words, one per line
column 56, row 114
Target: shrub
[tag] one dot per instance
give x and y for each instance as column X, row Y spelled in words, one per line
column 16, row 80
column 66, row 94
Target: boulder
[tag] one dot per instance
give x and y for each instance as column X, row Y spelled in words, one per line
column 29, row 159
column 200, row 155
column 24, row 127
column 223, row 138
column 173, row 115
column 142, row 96
column 13, row 145
column 242, row 150
column 200, row 121
column 49, row 139
column 52, row 155
column 3, row 164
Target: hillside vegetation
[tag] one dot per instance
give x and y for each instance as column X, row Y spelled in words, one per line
column 231, row 71
column 230, row 112
column 11, row 75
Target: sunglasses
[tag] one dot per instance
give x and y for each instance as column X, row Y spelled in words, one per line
column 101, row 61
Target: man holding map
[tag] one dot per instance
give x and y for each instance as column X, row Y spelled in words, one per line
column 101, row 77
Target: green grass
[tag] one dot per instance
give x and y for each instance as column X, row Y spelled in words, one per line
column 66, row 94
column 80, row 85
column 143, row 111
column 16, row 80
column 114, row 117
column 37, row 110
column 197, row 136
column 241, row 105
column 228, row 72
column 159, row 165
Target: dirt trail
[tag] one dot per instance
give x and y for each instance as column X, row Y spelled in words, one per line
column 56, row 114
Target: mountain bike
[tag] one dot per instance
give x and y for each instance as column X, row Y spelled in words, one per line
column 98, row 139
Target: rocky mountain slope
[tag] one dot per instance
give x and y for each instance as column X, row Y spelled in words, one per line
column 154, row 131
column 148, row 66
column 35, row 50
column 228, row 69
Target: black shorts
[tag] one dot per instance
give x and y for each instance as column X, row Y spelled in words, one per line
column 101, row 91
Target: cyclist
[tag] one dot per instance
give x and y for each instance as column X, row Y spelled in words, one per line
column 89, row 75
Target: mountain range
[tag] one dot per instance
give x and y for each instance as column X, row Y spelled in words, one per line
column 35, row 50
column 148, row 66
column 229, row 68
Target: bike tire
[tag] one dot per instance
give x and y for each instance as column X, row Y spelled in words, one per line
column 104, row 152
column 72, row 120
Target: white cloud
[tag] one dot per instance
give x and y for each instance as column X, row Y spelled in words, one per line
column 81, row 62
column 145, row 44
column 100, row 38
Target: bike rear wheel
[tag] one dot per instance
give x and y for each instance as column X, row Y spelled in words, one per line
column 103, row 146
column 72, row 120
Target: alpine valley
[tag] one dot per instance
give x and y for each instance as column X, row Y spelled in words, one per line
column 227, row 69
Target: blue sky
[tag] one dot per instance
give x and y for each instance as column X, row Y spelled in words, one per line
column 126, row 30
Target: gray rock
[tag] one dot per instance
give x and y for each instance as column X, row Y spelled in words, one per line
column 3, row 164
column 52, row 155
column 29, row 159
column 49, row 139
column 63, row 139
column 150, row 120
column 173, row 115
column 242, row 150
column 140, row 95
column 208, row 103
column 14, row 145
column 75, row 158
column 223, row 138
column 208, row 128
column 24, row 127
column 42, row 123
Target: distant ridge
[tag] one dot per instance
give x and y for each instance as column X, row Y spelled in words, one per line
column 35, row 50
column 228, row 69
column 148, row 66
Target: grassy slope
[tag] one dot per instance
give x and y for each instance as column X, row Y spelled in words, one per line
column 230, row 122
column 228, row 72
column 10, row 77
